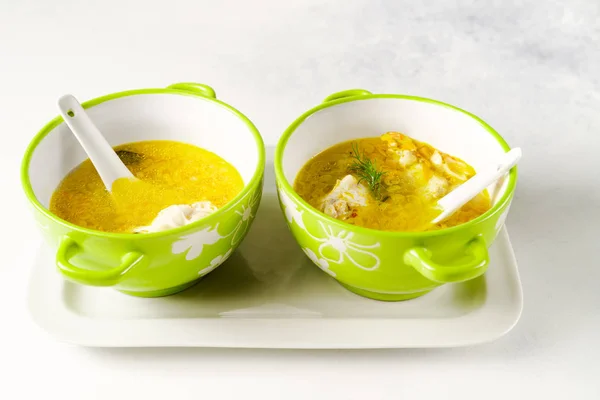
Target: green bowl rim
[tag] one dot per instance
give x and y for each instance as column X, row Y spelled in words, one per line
column 281, row 179
column 129, row 236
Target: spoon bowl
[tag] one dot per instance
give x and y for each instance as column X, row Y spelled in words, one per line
column 457, row 198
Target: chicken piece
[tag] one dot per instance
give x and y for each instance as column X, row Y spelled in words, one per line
column 402, row 146
column 437, row 186
column 436, row 159
column 453, row 167
column 406, row 158
column 347, row 194
column 419, row 174
column 457, row 168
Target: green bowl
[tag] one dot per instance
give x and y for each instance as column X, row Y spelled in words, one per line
column 391, row 265
column 154, row 264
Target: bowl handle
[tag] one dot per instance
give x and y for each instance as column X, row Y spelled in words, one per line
column 420, row 259
column 197, row 88
column 69, row 248
column 347, row 93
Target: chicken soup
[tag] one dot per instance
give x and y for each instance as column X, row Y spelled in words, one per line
column 390, row 183
column 177, row 184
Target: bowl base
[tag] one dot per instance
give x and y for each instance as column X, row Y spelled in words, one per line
column 385, row 296
column 162, row 292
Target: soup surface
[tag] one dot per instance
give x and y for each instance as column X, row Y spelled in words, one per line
column 389, row 183
column 168, row 173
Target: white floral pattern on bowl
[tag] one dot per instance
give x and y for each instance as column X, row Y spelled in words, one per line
column 195, row 243
column 320, row 262
column 247, row 216
column 292, row 213
column 340, row 243
column 215, row 262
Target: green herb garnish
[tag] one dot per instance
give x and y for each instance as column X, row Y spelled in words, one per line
column 367, row 171
column 129, row 157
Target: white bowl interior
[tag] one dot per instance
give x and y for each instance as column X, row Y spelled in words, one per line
column 444, row 128
column 188, row 119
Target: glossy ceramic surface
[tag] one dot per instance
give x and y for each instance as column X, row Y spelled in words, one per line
column 156, row 264
column 391, row 265
column 269, row 294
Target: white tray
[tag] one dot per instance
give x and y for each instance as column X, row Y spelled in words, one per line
column 269, row 295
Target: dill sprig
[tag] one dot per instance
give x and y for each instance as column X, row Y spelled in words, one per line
column 367, row 171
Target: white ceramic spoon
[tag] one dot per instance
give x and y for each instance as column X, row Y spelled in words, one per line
column 457, row 198
column 105, row 160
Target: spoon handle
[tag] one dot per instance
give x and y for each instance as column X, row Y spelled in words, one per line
column 105, row 160
column 465, row 192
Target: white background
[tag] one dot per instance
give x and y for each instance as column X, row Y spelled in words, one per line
column 531, row 69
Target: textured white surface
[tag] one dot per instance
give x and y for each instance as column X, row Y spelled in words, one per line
column 529, row 68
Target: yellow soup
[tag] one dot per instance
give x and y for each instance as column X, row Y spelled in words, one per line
column 389, row 183
column 168, row 173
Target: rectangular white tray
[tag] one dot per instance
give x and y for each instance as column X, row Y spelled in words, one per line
column 269, row 295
